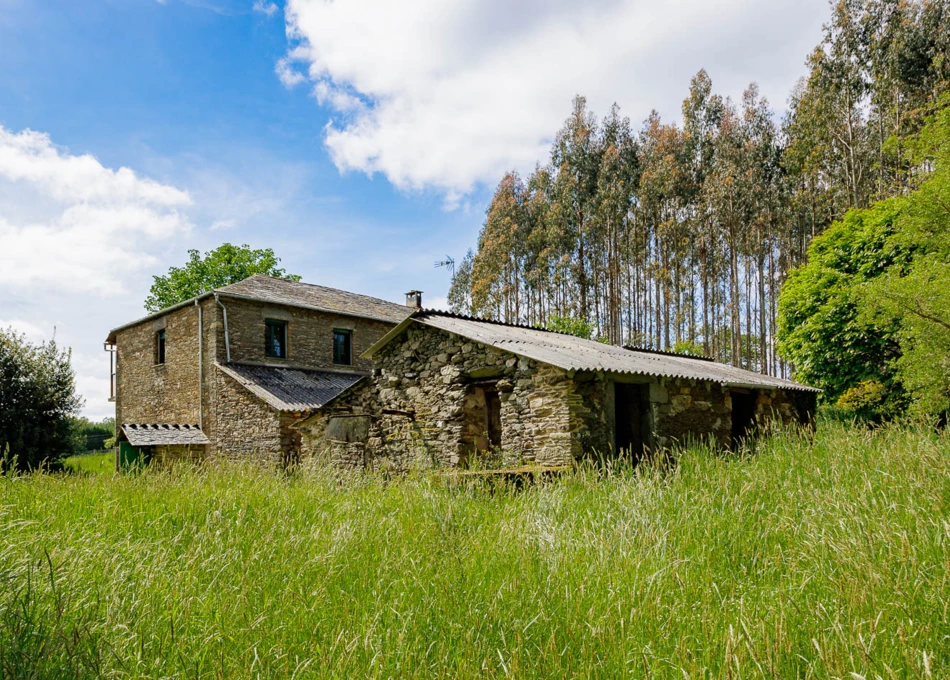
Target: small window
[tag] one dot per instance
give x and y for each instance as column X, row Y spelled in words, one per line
column 160, row 347
column 341, row 347
column 275, row 339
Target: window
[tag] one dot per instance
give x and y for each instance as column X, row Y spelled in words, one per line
column 275, row 339
column 160, row 347
column 341, row 347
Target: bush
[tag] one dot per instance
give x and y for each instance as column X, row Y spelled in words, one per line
column 37, row 399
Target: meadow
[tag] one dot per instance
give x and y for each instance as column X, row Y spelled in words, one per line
column 813, row 557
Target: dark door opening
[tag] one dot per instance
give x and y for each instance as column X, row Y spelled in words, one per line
column 743, row 415
column 493, row 418
column 630, row 403
column 482, row 433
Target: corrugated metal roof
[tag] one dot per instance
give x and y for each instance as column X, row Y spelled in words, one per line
column 141, row 434
column 577, row 354
column 291, row 389
column 280, row 291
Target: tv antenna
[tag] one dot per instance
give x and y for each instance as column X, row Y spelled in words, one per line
column 448, row 262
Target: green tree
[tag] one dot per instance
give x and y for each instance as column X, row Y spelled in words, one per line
column 570, row 325
column 37, row 400
column 222, row 266
column 918, row 296
column 91, row 436
column 821, row 329
column 460, row 292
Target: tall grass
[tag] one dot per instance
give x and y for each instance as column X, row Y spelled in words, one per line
column 822, row 558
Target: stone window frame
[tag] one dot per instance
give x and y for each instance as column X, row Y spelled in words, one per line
column 285, row 325
column 348, row 332
column 161, row 347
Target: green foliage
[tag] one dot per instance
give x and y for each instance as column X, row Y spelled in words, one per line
column 777, row 565
column 869, row 400
column 689, row 347
column 222, row 266
column 91, row 436
column 918, row 295
column 37, row 400
column 820, row 328
column 571, row 325
column 868, row 318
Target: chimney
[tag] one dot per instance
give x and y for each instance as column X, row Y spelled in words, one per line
column 414, row 299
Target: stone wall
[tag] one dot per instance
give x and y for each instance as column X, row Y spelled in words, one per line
column 169, row 456
column 422, row 396
column 786, row 407
column 237, row 423
column 147, row 392
column 309, row 335
column 244, row 425
column 690, row 410
column 421, row 409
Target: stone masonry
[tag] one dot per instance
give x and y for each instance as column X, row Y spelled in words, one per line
column 238, row 423
column 421, row 406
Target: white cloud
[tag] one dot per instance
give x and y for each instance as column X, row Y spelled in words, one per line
column 446, row 95
column 218, row 225
column 32, row 331
column 68, row 223
column 264, row 7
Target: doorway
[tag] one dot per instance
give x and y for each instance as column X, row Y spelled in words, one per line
column 630, row 420
column 492, row 417
column 743, row 415
column 482, row 433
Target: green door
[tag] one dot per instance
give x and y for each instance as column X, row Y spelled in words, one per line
column 132, row 456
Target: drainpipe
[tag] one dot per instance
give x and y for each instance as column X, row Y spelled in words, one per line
column 201, row 362
column 227, row 338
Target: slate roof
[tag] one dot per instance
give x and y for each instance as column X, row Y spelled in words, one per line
column 163, row 434
column 279, row 291
column 268, row 289
column 577, row 354
column 291, row 389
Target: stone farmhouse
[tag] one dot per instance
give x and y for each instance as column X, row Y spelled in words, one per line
column 230, row 371
column 447, row 388
column 273, row 370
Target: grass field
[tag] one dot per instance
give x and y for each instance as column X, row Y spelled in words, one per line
column 825, row 558
column 93, row 463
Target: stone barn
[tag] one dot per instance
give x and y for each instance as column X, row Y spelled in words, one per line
column 447, row 389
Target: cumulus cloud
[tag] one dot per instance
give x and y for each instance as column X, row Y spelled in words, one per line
column 443, row 95
column 68, row 222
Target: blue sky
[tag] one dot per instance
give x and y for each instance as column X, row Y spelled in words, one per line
column 358, row 138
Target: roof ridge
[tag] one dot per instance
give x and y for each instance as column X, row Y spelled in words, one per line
column 292, row 367
column 311, row 285
column 628, row 348
column 469, row 317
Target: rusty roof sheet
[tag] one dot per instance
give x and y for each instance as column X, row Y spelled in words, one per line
column 279, row 291
column 161, row 434
column 291, row 389
column 577, row 354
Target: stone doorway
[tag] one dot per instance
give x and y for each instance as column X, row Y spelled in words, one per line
column 482, row 434
column 631, row 402
column 743, row 415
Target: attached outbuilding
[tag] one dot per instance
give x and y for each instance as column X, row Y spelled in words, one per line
column 448, row 389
